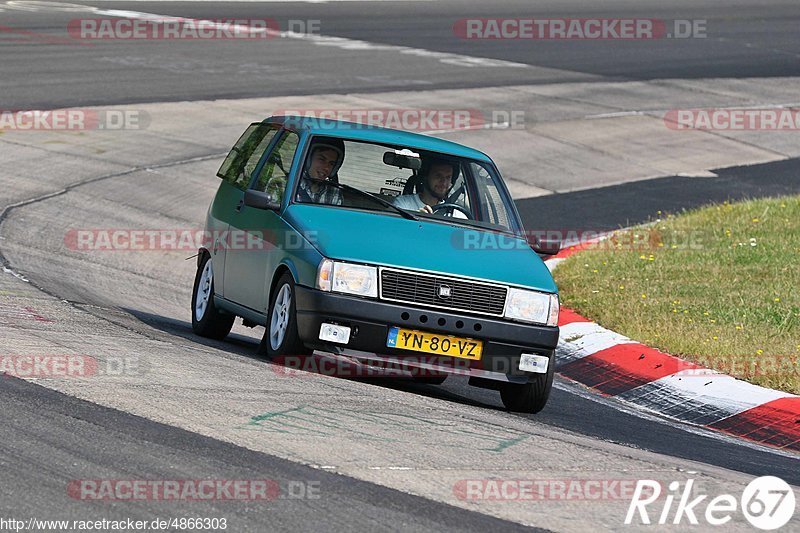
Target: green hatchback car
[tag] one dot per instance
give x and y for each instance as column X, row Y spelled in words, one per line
column 381, row 245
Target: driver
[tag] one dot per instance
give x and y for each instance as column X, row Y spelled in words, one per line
column 324, row 160
column 437, row 179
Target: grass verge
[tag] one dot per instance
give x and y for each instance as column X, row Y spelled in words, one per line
column 719, row 286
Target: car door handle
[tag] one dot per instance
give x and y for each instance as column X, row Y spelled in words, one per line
column 240, row 205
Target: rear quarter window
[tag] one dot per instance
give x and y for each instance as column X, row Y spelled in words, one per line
column 243, row 158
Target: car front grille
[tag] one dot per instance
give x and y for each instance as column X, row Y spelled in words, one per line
column 431, row 290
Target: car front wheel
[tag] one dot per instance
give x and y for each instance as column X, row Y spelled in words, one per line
column 530, row 397
column 280, row 336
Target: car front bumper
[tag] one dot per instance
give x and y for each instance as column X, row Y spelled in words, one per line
column 370, row 320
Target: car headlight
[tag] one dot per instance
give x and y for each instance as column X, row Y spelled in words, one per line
column 532, row 306
column 348, row 278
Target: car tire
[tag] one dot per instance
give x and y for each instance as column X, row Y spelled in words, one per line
column 207, row 320
column 530, row 397
column 280, row 335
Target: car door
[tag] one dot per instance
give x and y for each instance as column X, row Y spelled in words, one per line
column 260, row 235
column 236, row 173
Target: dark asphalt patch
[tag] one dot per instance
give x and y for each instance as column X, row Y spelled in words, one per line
column 618, row 206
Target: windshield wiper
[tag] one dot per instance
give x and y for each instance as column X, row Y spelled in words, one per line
column 378, row 199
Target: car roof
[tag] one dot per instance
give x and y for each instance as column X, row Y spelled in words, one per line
column 363, row 132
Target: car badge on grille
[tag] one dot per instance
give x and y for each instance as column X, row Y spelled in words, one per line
column 444, row 291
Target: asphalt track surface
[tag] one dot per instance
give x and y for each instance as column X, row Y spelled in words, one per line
column 743, row 39
column 48, row 437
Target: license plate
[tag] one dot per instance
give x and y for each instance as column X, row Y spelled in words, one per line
column 419, row 341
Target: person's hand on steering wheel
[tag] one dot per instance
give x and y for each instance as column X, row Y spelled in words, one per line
column 438, row 207
column 452, row 207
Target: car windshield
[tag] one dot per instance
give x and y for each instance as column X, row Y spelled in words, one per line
column 430, row 185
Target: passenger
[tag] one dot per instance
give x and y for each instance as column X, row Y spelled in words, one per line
column 437, row 176
column 324, row 160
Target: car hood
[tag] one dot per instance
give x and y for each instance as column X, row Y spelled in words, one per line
column 379, row 239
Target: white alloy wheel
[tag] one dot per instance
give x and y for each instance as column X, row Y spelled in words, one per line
column 203, row 291
column 279, row 322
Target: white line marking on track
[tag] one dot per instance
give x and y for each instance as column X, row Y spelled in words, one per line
column 31, row 5
column 698, row 174
column 443, row 57
column 319, row 40
column 7, row 270
column 615, row 114
column 47, row 6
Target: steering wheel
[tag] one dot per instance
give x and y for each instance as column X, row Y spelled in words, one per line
column 439, row 207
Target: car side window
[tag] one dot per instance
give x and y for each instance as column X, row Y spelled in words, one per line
column 243, row 158
column 275, row 172
column 494, row 209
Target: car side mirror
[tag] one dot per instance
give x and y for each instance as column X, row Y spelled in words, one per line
column 546, row 246
column 261, row 200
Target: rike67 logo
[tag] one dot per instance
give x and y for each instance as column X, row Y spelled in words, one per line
column 767, row 503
